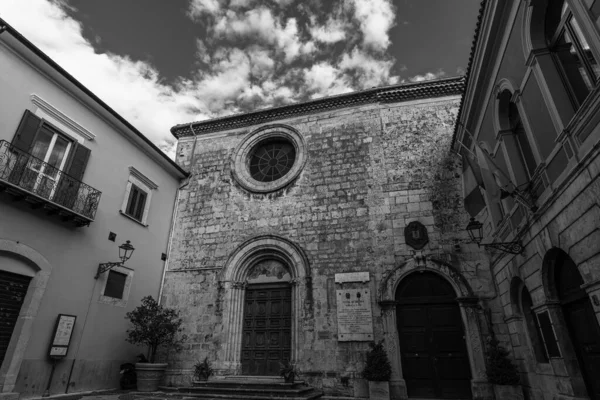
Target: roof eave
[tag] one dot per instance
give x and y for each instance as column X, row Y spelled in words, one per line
column 106, row 110
column 406, row 92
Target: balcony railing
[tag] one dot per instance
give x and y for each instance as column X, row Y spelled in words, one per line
column 42, row 184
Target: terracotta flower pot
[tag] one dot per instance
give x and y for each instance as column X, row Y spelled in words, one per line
column 149, row 376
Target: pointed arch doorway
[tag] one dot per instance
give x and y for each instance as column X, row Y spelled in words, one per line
column 434, row 357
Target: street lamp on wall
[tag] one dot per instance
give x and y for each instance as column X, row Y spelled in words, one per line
column 475, row 231
column 125, row 252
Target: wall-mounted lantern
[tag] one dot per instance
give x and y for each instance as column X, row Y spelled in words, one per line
column 125, row 252
column 475, row 230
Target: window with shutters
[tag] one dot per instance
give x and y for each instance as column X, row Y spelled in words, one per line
column 136, row 204
column 46, row 166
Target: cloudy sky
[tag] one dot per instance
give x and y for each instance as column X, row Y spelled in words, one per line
column 165, row 62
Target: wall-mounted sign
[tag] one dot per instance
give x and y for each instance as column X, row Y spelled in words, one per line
column 352, row 277
column 354, row 315
column 61, row 338
column 415, row 235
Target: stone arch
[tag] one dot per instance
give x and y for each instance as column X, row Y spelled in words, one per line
column 526, row 44
column 233, row 281
column 504, row 93
column 553, row 257
column 516, row 288
column 534, row 25
column 41, row 269
column 240, row 159
column 388, row 286
column 471, row 314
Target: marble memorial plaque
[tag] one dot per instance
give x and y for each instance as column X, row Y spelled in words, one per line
column 352, row 277
column 354, row 315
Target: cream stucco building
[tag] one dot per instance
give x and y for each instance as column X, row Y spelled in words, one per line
column 72, row 174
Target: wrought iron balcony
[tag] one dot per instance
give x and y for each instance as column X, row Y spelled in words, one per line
column 30, row 179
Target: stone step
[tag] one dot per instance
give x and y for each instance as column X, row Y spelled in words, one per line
column 253, row 378
column 264, row 396
column 234, row 388
column 284, row 392
column 258, row 385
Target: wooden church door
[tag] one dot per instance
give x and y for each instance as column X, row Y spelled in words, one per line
column 266, row 337
column 435, row 363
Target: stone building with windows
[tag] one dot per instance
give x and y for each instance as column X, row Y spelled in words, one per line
column 532, row 102
column 76, row 180
column 308, row 231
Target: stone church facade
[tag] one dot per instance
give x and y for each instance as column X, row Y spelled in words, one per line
column 298, row 219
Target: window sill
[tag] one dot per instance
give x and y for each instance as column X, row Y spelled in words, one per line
column 133, row 219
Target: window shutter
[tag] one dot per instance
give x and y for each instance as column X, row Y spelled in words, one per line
column 68, row 188
column 139, row 212
column 26, row 131
column 79, row 160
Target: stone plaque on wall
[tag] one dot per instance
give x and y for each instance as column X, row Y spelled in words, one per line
column 354, row 315
column 352, row 277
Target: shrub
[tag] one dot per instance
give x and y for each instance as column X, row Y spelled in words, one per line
column 202, row 369
column 500, row 369
column 155, row 326
column 378, row 367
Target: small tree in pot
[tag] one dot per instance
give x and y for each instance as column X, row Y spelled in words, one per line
column 502, row 373
column 378, row 372
column 153, row 326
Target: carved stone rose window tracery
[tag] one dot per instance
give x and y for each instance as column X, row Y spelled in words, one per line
column 269, row 159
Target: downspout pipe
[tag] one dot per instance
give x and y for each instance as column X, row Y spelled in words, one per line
column 174, row 217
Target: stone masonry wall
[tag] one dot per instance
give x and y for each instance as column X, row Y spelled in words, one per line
column 370, row 170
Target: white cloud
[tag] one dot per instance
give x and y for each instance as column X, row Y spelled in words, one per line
column 324, row 79
column 132, row 88
column 333, row 31
column 370, row 71
column 428, row 76
column 249, row 57
column 376, row 18
column 261, row 25
column 197, row 8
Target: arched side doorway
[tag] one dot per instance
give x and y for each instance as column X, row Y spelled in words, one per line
column 564, row 284
column 19, row 262
column 471, row 320
column 264, row 287
column 433, row 350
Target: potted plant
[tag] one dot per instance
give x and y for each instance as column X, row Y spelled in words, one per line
column 502, row 373
column 153, row 326
column 378, row 371
column 202, row 370
column 288, row 371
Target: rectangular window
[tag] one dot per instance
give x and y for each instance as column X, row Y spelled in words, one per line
column 115, row 285
column 136, row 203
column 548, row 334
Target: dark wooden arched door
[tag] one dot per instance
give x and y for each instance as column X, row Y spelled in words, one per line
column 581, row 321
column 435, row 363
